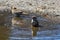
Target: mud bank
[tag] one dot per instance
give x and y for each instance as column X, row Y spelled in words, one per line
column 46, row 8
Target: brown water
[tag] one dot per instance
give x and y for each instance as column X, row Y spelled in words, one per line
column 21, row 29
column 4, row 33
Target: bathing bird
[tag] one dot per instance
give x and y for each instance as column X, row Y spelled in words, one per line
column 35, row 22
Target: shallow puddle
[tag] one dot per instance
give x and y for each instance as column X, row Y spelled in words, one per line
column 21, row 29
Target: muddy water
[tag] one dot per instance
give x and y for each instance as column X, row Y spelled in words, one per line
column 21, row 29
column 4, row 33
column 4, row 25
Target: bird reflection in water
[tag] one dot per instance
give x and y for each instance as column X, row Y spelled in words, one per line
column 34, row 31
column 18, row 21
